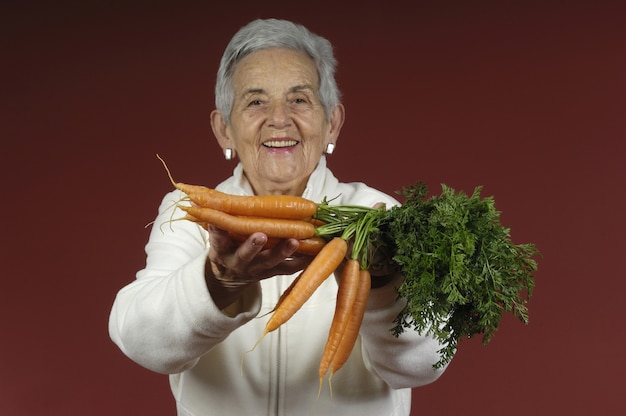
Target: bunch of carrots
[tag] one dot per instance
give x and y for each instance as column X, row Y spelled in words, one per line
column 322, row 231
column 460, row 267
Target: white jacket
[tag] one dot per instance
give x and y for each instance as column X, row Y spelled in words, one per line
column 166, row 321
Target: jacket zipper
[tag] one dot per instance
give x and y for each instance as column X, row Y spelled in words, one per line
column 277, row 357
column 278, row 369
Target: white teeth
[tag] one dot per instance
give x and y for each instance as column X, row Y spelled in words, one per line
column 280, row 143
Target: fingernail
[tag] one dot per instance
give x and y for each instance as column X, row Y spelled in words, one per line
column 258, row 241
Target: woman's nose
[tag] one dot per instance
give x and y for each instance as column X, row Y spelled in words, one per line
column 279, row 115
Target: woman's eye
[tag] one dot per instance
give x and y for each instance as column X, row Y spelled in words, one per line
column 255, row 103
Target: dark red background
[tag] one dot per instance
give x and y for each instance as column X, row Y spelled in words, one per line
column 525, row 98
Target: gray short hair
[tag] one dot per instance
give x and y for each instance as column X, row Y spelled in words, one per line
column 273, row 33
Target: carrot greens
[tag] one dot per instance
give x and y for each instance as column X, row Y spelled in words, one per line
column 461, row 270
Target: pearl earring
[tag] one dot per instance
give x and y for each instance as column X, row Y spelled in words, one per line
column 330, row 148
column 228, row 153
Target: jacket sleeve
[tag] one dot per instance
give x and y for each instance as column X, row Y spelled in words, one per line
column 165, row 320
column 405, row 361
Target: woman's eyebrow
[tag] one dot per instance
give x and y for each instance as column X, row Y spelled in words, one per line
column 253, row 91
column 295, row 88
column 298, row 88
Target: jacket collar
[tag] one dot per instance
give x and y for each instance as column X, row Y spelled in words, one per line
column 318, row 186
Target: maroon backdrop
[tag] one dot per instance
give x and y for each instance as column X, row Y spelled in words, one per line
column 525, row 98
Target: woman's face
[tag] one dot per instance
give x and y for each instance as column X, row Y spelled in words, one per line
column 278, row 127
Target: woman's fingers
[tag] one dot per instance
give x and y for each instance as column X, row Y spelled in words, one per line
column 249, row 249
column 219, row 240
column 280, row 259
column 250, row 261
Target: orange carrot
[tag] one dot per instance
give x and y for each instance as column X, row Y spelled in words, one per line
column 191, row 218
column 322, row 266
column 356, row 318
column 346, row 295
column 316, row 222
column 266, row 206
column 194, row 189
column 274, row 227
column 285, row 294
column 311, row 245
column 281, row 299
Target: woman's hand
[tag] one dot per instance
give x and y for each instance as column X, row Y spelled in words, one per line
column 383, row 268
column 233, row 266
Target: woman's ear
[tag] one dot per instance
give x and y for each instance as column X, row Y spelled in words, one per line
column 337, row 117
column 219, row 126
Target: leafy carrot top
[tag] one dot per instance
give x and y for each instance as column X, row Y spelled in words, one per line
column 461, row 269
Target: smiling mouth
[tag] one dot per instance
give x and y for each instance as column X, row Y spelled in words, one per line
column 278, row 144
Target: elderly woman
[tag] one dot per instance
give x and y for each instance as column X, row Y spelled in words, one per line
column 202, row 300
